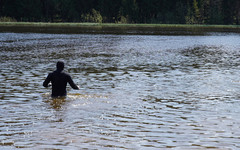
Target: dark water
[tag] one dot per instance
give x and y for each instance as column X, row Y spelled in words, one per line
column 137, row 92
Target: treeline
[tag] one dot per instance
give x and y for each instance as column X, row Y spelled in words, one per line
column 122, row 11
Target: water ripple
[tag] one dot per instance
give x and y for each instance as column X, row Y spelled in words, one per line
column 137, row 92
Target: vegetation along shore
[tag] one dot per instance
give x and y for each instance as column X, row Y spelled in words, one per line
column 114, row 28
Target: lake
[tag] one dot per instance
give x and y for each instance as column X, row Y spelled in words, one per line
column 137, row 91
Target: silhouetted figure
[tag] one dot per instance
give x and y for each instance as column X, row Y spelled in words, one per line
column 59, row 81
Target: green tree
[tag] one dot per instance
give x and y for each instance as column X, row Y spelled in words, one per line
column 49, row 10
column 193, row 14
column 215, row 16
column 109, row 9
column 181, row 11
column 67, row 11
column 231, row 11
column 196, row 11
column 23, row 10
column 237, row 8
column 129, row 10
column 148, row 10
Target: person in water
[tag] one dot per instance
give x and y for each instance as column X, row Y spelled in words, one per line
column 59, row 81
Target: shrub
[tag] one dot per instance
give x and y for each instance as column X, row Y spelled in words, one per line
column 7, row 19
column 93, row 16
column 123, row 20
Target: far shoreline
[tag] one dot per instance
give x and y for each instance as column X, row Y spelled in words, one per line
column 114, row 28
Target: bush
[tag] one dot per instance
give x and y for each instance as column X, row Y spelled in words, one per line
column 122, row 20
column 7, row 19
column 190, row 20
column 93, row 16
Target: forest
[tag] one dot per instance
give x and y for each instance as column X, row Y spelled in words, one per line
column 224, row 12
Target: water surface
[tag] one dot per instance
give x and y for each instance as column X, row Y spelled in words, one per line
column 137, row 91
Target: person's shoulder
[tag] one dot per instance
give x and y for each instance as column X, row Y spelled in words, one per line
column 54, row 72
column 51, row 73
column 65, row 74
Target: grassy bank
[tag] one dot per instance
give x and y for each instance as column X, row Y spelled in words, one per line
column 111, row 28
column 42, row 24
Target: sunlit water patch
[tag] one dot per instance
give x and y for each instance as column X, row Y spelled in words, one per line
column 137, row 92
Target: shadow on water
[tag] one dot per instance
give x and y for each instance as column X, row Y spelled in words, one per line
column 203, row 57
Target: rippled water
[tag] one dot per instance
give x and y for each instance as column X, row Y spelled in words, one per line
column 137, row 92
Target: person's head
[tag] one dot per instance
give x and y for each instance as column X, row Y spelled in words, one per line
column 60, row 65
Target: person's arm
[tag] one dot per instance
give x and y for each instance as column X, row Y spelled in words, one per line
column 72, row 84
column 47, row 80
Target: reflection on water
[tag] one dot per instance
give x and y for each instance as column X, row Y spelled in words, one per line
column 137, row 92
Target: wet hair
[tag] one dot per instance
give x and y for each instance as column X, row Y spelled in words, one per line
column 60, row 65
